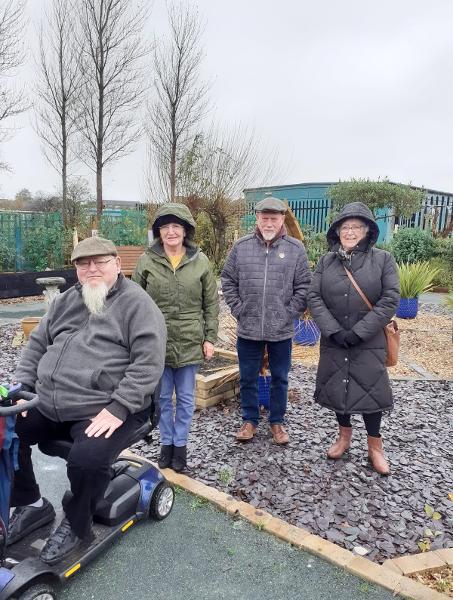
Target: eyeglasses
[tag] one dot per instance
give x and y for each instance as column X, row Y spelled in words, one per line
column 353, row 228
column 99, row 263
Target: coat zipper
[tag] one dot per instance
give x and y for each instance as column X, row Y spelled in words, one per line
column 63, row 350
column 264, row 291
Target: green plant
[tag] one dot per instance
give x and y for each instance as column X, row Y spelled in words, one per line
column 412, row 245
column 403, row 200
column 225, row 475
column 444, row 276
column 415, row 279
column 260, row 525
column 44, row 249
column 198, row 502
column 315, row 245
column 7, row 256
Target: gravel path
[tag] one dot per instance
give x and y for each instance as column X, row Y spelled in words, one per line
column 344, row 501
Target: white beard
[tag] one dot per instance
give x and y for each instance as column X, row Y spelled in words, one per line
column 268, row 235
column 94, row 297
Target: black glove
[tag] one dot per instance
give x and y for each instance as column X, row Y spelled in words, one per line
column 339, row 338
column 351, row 339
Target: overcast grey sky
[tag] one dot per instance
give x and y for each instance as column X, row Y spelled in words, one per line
column 355, row 88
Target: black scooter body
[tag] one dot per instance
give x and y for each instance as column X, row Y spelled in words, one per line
column 127, row 501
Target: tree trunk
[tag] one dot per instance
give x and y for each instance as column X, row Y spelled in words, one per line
column 173, row 173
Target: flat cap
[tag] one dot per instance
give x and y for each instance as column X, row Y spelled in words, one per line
column 271, row 204
column 93, row 246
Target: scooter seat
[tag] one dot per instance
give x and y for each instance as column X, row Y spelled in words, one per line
column 62, row 448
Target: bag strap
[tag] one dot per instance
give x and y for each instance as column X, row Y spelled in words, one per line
column 359, row 291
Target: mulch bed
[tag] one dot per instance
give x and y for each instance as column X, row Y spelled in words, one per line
column 343, row 501
column 441, row 581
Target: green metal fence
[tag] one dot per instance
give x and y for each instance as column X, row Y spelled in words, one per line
column 125, row 227
column 31, row 241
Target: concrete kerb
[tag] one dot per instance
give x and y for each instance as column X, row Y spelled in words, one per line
column 390, row 575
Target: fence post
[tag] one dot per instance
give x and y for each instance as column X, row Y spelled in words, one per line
column 19, row 260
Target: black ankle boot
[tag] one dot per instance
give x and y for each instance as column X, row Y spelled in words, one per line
column 166, row 454
column 179, row 461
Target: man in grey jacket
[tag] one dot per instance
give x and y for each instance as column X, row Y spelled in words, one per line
column 94, row 361
column 265, row 282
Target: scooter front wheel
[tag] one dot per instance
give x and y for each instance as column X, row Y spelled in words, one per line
column 162, row 501
column 40, row 591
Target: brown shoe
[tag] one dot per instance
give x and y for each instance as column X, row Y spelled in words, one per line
column 376, row 455
column 279, row 434
column 342, row 444
column 246, row 432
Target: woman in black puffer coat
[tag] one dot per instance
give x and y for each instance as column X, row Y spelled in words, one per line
column 352, row 377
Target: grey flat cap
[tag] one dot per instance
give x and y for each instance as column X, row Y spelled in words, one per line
column 271, row 204
column 93, row 246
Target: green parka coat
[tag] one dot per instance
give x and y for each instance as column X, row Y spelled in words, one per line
column 187, row 296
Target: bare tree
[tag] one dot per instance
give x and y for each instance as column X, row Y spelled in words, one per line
column 213, row 174
column 12, row 55
column 113, row 81
column 180, row 97
column 57, row 90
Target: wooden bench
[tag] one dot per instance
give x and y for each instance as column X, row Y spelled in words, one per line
column 129, row 256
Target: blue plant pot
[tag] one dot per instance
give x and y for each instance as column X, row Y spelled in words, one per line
column 307, row 332
column 264, row 389
column 407, row 308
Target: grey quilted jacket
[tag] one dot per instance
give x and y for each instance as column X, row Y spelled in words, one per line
column 266, row 286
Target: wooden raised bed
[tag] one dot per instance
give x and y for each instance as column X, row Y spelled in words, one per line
column 217, row 387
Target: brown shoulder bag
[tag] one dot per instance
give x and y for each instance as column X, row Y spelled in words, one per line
column 391, row 331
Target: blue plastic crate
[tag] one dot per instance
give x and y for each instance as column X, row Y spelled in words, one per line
column 264, row 389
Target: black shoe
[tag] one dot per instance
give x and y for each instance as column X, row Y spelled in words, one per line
column 166, row 454
column 26, row 519
column 62, row 542
column 179, row 460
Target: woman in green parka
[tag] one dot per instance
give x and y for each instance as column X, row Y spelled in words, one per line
column 179, row 278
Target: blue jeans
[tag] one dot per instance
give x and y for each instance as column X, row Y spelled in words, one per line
column 174, row 425
column 250, row 353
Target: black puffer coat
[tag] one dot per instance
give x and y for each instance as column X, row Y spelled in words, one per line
column 354, row 380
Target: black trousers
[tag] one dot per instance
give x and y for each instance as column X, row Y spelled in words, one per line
column 88, row 465
column 372, row 422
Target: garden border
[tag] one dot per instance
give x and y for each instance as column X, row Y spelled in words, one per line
column 387, row 576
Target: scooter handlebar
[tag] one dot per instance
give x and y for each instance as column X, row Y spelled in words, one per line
column 32, row 401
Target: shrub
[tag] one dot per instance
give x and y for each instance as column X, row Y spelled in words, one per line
column 443, row 247
column 7, row 257
column 44, row 250
column 416, row 278
column 315, row 245
column 444, row 276
column 412, row 245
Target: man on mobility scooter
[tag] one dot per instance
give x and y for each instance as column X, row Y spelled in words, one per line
column 94, row 361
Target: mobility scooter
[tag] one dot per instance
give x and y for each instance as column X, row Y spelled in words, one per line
column 137, row 491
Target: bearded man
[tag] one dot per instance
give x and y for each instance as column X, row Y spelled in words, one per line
column 94, row 361
column 265, row 283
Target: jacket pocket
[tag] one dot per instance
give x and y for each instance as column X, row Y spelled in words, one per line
column 101, row 381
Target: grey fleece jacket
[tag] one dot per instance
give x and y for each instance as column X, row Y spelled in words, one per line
column 266, row 285
column 80, row 363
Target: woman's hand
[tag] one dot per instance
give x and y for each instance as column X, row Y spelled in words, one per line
column 208, row 350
